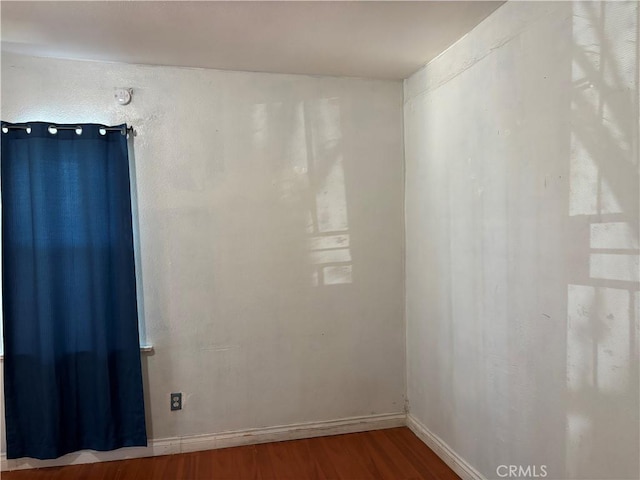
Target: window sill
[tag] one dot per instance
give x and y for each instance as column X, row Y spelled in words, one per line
column 143, row 349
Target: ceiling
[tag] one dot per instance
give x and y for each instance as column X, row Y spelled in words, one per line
column 389, row 39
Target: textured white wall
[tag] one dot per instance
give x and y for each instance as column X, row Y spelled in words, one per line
column 270, row 211
column 522, row 216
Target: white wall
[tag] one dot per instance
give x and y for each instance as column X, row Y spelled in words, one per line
column 270, row 212
column 522, row 241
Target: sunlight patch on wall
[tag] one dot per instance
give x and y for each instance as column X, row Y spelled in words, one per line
column 609, row 266
column 328, row 224
column 330, row 256
column 603, row 149
column 590, row 193
column 333, row 256
column 294, row 180
column 579, row 440
column 597, row 339
column 259, row 119
column 336, row 274
column 617, row 235
column 331, row 201
column 601, row 362
column 312, row 172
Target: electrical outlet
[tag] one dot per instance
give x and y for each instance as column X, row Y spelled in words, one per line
column 176, row 401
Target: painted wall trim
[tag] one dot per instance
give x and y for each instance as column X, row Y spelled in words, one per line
column 444, row 451
column 169, row 446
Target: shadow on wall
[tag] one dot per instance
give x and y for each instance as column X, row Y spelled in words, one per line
column 295, row 157
column 603, row 299
column 313, row 171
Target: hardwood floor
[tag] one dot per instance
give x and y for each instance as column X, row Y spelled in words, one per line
column 395, row 453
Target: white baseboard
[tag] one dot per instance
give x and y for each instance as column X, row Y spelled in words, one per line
column 444, row 451
column 169, row 446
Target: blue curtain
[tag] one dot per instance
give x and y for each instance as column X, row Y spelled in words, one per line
column 72, row 373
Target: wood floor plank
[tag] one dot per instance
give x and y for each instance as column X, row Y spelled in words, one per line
column 245, row 462
column 392, row 462
column 346, row 465
column 391, row 454
column 432, row 466
column 323, row 466
column 291, row 460
column 356, row 447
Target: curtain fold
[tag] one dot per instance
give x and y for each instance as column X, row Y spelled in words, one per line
column 72, row 371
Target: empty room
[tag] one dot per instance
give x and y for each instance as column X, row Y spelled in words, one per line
column 320, row 240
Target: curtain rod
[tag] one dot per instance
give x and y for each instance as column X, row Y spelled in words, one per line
column 26, row 126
